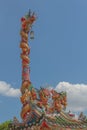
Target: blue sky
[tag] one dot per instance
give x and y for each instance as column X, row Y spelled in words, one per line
column 58, row 52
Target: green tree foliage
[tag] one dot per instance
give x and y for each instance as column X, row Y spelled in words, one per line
column 4, row 126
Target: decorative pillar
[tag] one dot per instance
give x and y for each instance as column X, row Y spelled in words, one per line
column 26, row 25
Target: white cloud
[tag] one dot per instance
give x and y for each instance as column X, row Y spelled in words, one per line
column 76, row 95
column 8, row 90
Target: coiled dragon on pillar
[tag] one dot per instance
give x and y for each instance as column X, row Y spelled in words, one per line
column 26, row 88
